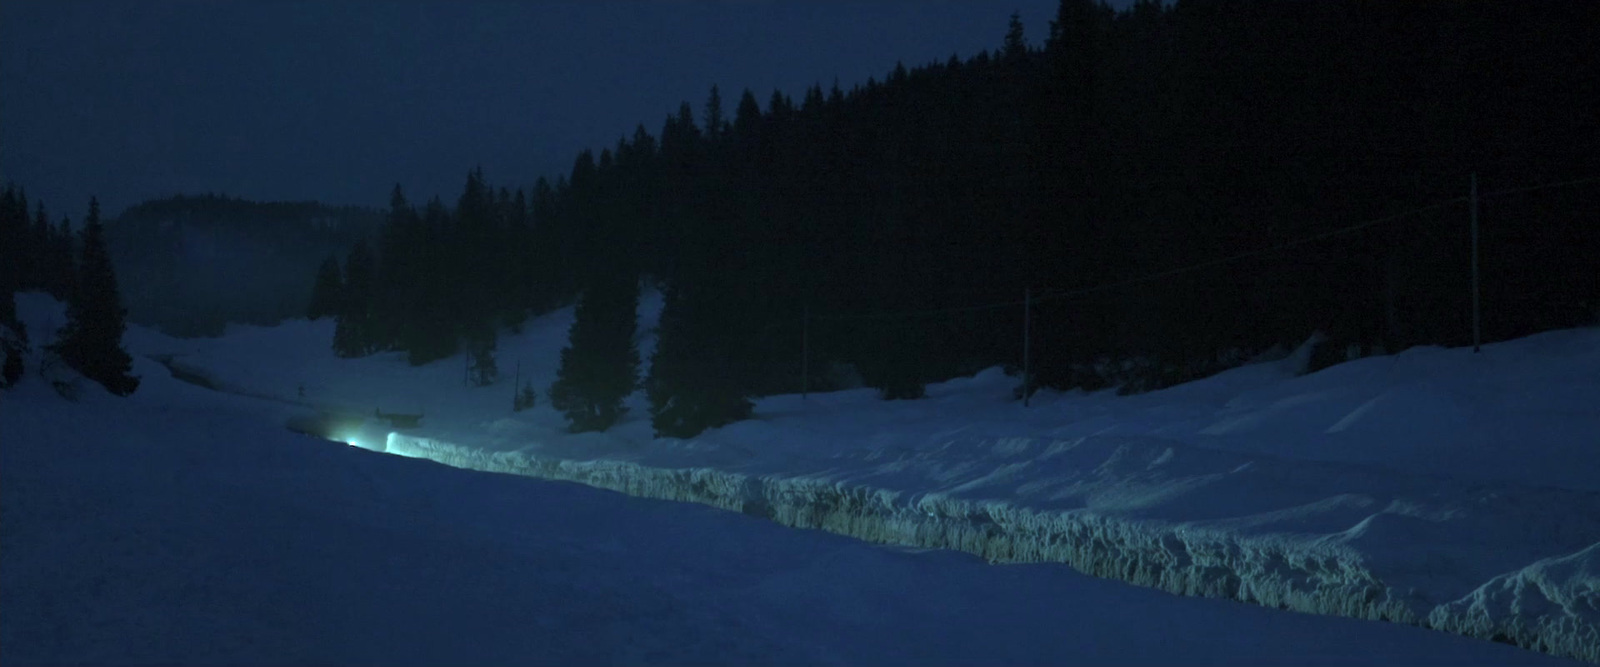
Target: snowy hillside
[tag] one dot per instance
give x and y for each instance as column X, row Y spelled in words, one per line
column 1435, row 487
column 184, row 526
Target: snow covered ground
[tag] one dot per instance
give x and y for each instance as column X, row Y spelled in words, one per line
column 1434, row 487
column 180, row 526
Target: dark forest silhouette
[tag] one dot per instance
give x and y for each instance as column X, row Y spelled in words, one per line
column 1176, row 187
column 1134, row 143
column 74, row 267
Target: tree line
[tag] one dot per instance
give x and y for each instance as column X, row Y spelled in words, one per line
column 75, row 267
column 1134, row 143
column 191, row 264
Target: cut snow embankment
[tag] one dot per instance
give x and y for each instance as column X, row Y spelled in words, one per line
column 1496, row 562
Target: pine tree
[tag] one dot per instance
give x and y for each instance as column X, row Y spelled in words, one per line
column 91, row 340
column 481, row 344
column 475, row 244
column 353, row 335
column 325, row 293
column 716, row 123
column 38, row 269
column 14, row 248
column 1016, row 46
column 693, row 385
column 600, row 365
column 433, row 325
column 62, row 269
column 396, row 292
column 747, row 117
column 10, row 359
column 15, row 255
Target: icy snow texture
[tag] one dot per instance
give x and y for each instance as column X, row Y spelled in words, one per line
column 1328, row 538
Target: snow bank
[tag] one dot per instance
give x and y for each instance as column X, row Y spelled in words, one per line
column 180, row 526
column 1321, row 538
column 1426, row 487
column 1552, row 606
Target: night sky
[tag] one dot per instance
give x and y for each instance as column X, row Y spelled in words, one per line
column 337, row 101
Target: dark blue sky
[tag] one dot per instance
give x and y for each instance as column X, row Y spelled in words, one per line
column 336, row 101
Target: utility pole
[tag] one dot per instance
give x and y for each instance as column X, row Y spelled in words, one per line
column 1027, row 341
column 1477, row 318
column 805, row 353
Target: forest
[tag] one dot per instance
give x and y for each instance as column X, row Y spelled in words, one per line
column 1128, row 199
column 1155, row 194
column 192, row 264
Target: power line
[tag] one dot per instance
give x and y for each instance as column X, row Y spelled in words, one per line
column 1321, row 236
column 890, row 314
column 1252, row 253
column 1148, row 277
column 1542, row 186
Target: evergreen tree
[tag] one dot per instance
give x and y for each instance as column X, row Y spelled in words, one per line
column 433, row 323
column 600, row 365
column 13, row 250
column 526, row 398
column 61, row 269
column 520, row 276
column 692, row 387
column 39, row 268
column 482, row 370
column 11, row 350
column 91, row 340
column 1016, row 47
column 398, row 290
column 326, row 293
column 747, row 117
column 16, row 252
column 353, row 335
column 716, row 123
column 476, row 247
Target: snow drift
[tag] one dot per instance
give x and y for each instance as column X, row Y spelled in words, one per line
column 1434, row 487
column 1321, row 538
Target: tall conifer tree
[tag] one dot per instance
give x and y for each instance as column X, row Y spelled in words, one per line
column 600, row 365
column 326, row 291
column 353, row 335
column 91, row 340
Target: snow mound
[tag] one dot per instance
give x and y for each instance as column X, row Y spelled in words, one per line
column 1552, row 605
column 1321, row 538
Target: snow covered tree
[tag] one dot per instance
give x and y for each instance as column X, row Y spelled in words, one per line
column 600, row 365
column 325, row 293
column 91, row 340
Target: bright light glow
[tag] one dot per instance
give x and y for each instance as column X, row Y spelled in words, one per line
column 349, row 437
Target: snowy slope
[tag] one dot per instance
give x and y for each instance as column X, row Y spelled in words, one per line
column 1435, row 487
column 185, row 526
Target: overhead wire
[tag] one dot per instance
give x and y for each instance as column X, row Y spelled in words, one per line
column 1168, row 273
